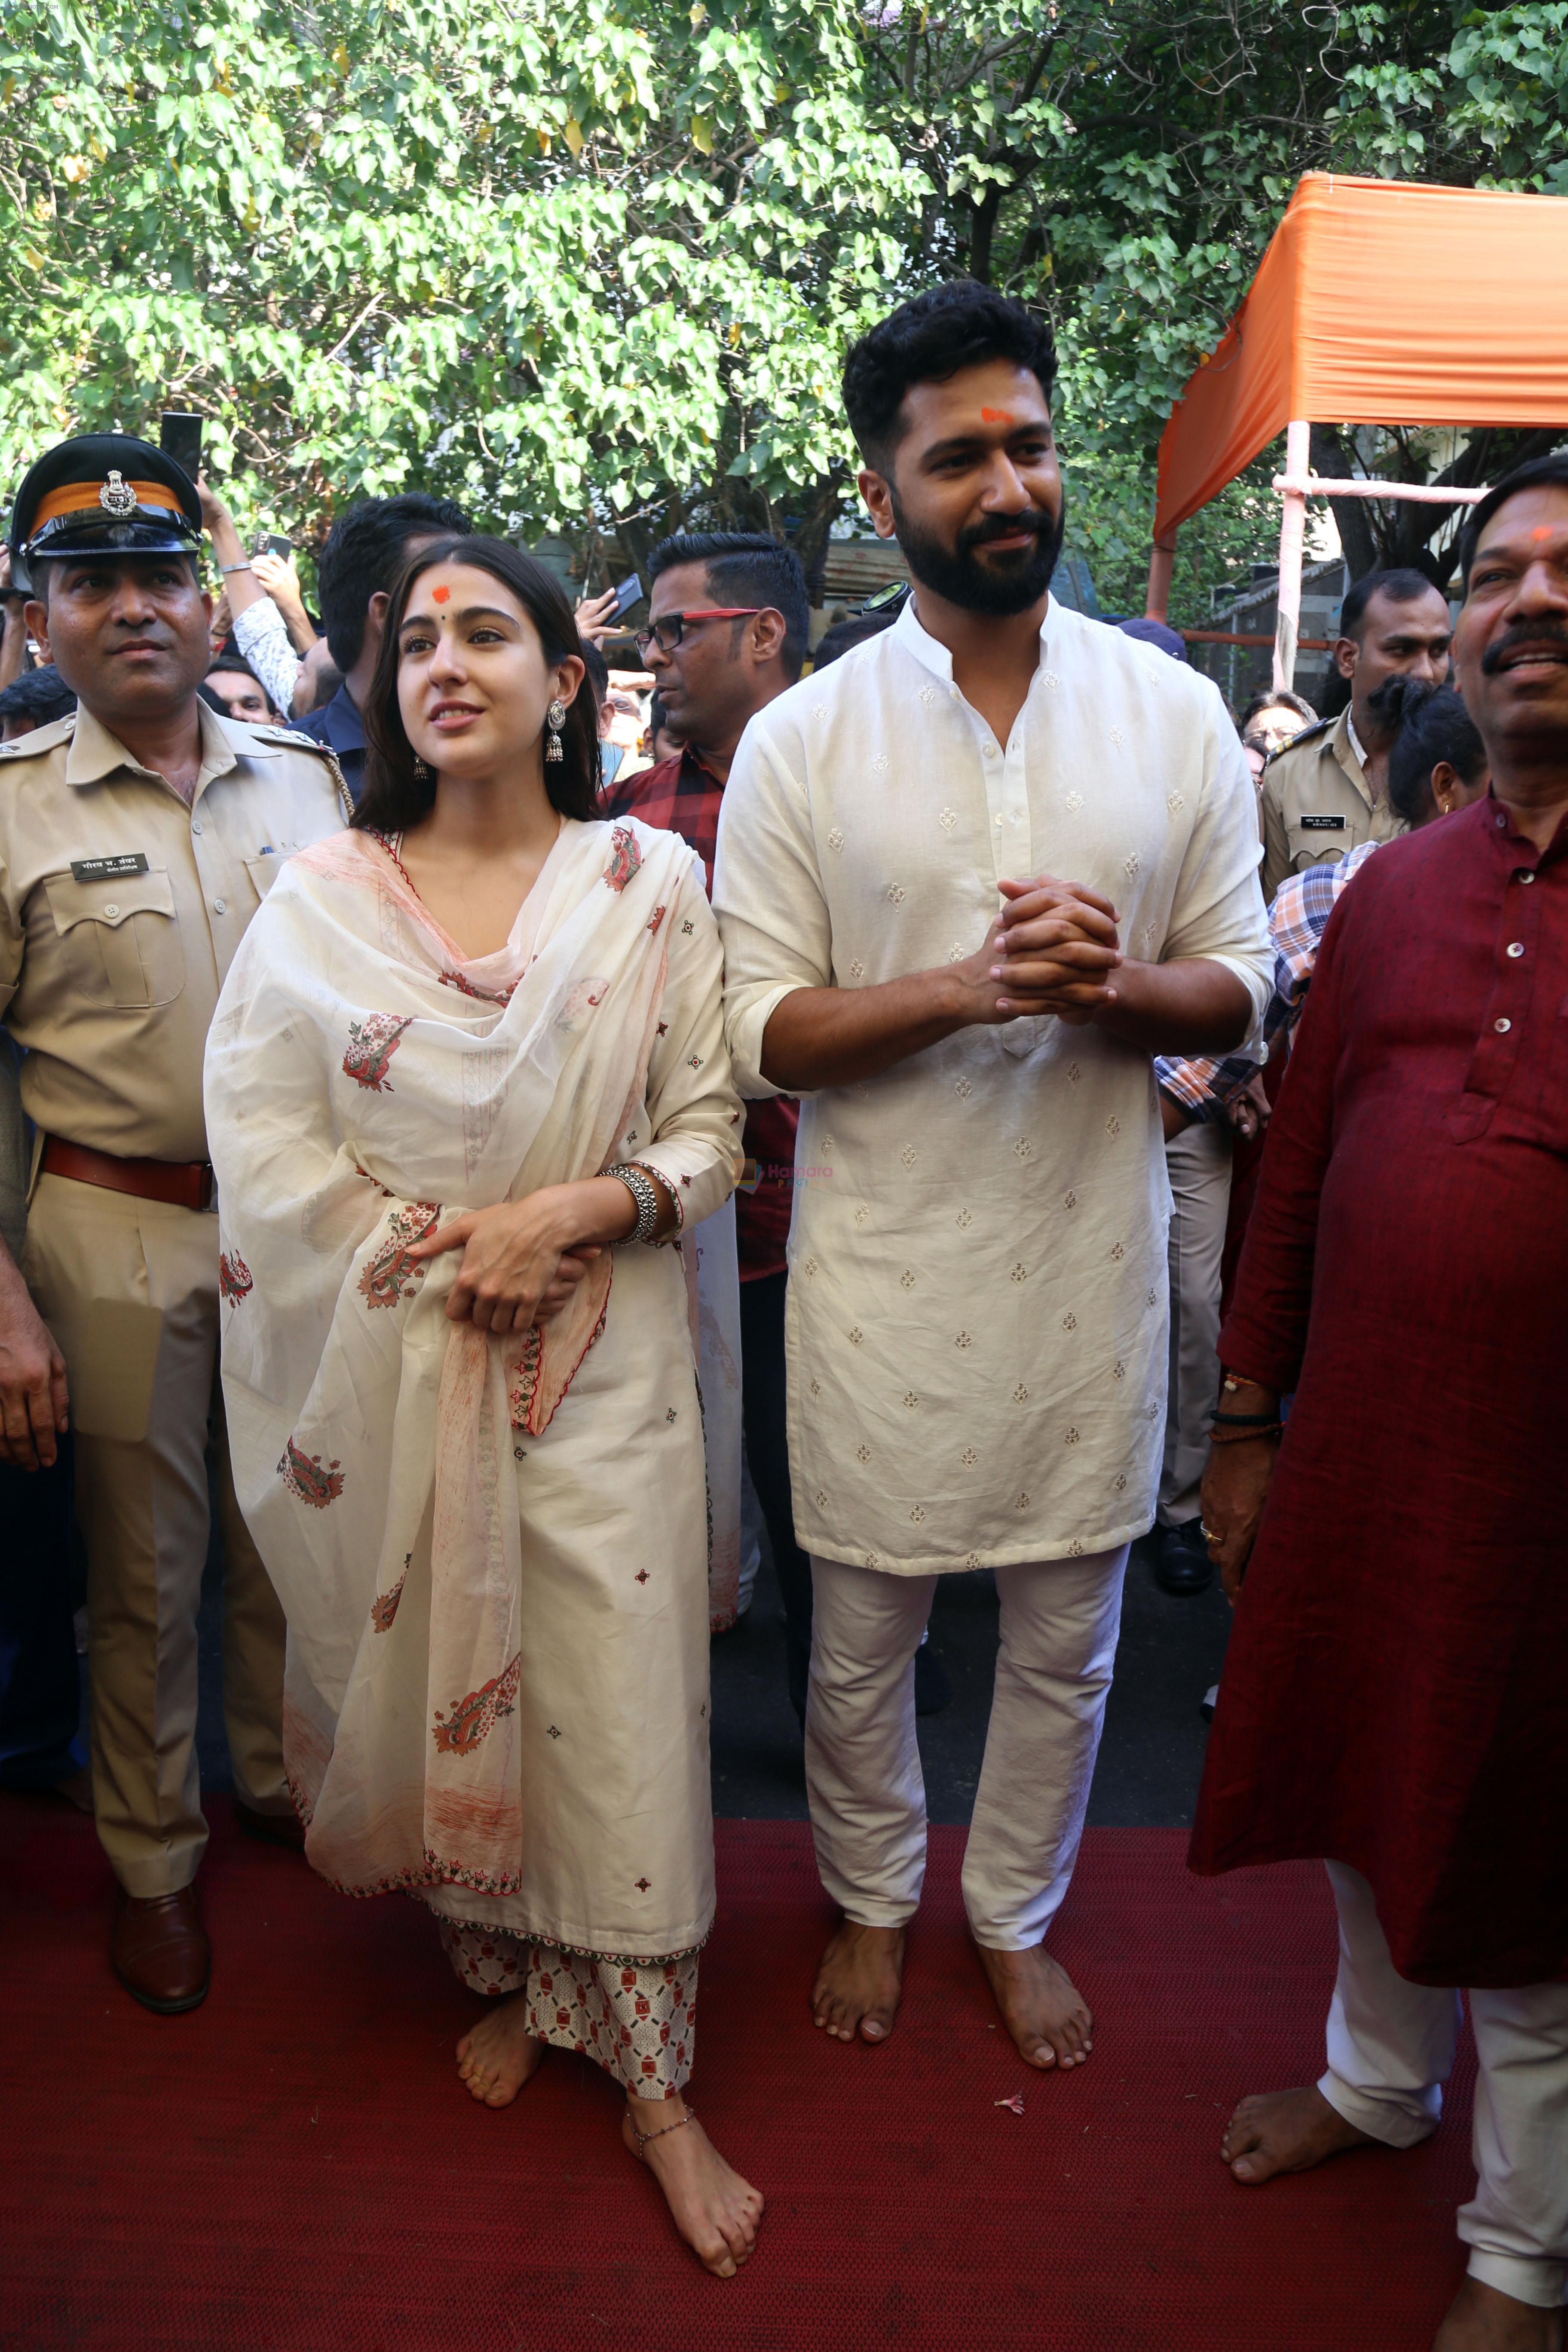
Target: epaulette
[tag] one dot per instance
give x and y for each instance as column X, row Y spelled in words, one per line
column 289, row 735
column 43, row 738
column 1308, row 735
column 287, row 738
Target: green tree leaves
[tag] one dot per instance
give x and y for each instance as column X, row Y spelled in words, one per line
column 594, row 267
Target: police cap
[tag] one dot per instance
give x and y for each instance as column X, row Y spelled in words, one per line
column 105, row 493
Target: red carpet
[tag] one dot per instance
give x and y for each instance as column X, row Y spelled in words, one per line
column 294, row 2168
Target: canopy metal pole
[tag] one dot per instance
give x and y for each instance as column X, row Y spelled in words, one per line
column 1293, row 536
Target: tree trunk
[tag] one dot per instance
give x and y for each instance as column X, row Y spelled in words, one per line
column 983, row 228
column 1328, row 457
column 810, row 541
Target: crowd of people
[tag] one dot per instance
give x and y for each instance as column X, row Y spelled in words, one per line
column 1026, row 1102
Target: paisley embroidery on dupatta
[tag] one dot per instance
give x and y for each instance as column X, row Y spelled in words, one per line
column 371, row 1045
column 468, row 1720
column 626, row 858
column 389, row 1276
column 306, row 1480
column 235, row 1280
column 383, row 1608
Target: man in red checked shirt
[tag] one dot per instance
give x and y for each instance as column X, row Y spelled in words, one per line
column 727, row 633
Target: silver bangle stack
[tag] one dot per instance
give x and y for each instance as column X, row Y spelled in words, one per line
column 644, row 1192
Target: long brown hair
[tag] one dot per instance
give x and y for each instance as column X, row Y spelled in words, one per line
column 395, row 796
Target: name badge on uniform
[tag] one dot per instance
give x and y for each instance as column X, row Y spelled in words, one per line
column 114, row 869
column 1322, row 824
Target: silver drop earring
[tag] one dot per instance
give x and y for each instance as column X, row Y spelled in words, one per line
column 422, row 772
column 555, row 719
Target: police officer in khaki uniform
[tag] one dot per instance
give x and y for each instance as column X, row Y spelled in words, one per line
column 1324, row 793
column 137, row 839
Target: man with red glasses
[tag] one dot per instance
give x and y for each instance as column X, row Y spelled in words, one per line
column 726, row 635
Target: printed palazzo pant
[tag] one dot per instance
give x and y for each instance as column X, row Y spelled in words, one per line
column 639, row 2022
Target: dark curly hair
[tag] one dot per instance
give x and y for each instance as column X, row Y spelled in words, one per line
column 925, row 340
column 1434, row 724
column 395, row 797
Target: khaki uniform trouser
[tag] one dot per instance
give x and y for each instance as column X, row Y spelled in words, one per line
column 129, row 1288
column 1198, row 1161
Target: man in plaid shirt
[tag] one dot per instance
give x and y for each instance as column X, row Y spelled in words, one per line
column 727, row 621
column 1199, row 1099
column 1205, row 1087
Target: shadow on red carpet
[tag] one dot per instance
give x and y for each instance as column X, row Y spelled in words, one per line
column 293, row 2167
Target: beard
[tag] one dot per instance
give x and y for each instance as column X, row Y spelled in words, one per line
column 1003, row 584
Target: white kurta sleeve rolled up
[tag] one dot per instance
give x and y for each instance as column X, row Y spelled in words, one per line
column 977, row 1308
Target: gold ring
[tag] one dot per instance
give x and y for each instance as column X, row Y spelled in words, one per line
column 1209, row 1534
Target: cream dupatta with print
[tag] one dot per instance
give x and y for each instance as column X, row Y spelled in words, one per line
column 364, row 1082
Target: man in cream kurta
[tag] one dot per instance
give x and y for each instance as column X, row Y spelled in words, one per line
column 977, row 1321
column 977, row 1338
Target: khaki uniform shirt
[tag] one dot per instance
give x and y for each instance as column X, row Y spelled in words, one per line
column 1317, row 804
column 121, row 910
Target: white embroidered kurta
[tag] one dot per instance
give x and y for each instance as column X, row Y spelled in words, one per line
column 492, row 1552
column 977, row 1297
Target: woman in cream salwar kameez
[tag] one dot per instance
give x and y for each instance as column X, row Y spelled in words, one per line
column 466, row 1074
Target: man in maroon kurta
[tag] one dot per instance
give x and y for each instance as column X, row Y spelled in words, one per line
column 1393, row 1699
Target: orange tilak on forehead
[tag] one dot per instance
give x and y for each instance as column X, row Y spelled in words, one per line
column 996, row 416
column 439, row 596
column 1542, row 530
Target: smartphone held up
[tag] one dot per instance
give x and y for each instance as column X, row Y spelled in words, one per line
column 180, row 437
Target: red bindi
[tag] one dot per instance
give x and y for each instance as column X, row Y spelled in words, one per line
column 439, row 596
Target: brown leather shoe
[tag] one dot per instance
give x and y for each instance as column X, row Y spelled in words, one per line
column 161, row 1952
column 273, row 1829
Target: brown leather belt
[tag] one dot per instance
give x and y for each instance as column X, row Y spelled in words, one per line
column 184, row 1183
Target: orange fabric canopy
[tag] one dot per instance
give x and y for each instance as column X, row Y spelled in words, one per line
column 1387, row 303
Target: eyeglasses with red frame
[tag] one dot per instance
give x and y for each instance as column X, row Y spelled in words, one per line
column 675, row 624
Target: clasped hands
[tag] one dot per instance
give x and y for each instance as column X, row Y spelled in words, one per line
column 1054, row 949
column 522, row 1260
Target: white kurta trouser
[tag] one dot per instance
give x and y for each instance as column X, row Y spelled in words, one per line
column 1390, row 2050
column 1060, row 1623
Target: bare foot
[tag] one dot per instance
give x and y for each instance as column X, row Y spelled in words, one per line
column 859, row 1982
column 714, row 2209
column 498, row 2057
column 1287, row 2131
column 1042, row 2009
column 1483, row 2319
